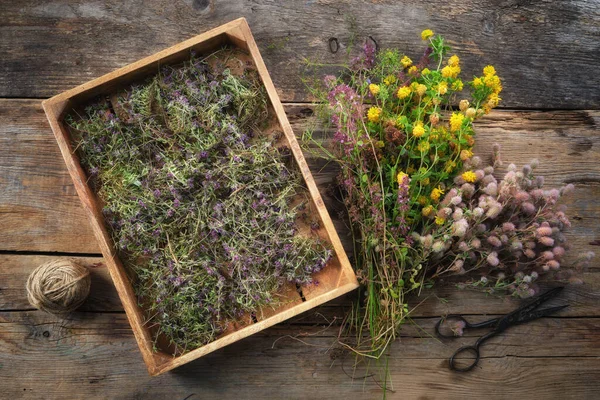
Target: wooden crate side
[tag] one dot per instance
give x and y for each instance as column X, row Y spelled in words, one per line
column 54, row 110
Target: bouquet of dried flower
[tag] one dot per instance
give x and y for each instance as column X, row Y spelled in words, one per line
column 420, row 204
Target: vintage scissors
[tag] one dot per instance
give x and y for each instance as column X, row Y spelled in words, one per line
column 521, row 315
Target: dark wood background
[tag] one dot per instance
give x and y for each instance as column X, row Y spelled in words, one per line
column 548, row 54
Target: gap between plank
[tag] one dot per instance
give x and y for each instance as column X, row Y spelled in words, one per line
column 47, row 253
column 300, row 102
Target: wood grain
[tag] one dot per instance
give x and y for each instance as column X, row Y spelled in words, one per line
column 584, row 300
column 95, row 356
column 547, row 52
column 39, row 209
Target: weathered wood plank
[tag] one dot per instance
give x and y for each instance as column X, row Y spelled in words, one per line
column 584, row 300
column 39, row 210
column 95, row 356
column 49, row 47
column 38, row 204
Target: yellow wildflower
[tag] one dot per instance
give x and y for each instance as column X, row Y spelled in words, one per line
column 427, row 211
column 400, row 177
column 422, row 200
column 477, row 82
column 426, row 34
column 442, row 88
column 426, row 181
column 413, row 70
column 425, row 71
column 450, row 165
column 456, row 121
column 418, row 129
column 423, row 146
column 450, row 71
column 457, row 85
column 493, row 100
column 388, row 80
column 421, row 89
column 466, row 154
column 453, row 61
column 406, row 62
column 374, row 114
column 374, row 89
column 403, row 92
column 489, row 70
column 493, row 82
column 440, row 220
column 436, row 193
column 469, row 176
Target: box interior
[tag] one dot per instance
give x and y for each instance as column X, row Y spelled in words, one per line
column 329, row 278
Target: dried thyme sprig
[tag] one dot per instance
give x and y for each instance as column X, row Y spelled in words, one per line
column 202, row 207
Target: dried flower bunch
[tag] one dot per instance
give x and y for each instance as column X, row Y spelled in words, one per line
column 420, row 203
column 510, row 231
column 202, row 205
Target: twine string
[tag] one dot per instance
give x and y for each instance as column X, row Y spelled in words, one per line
column 58, row 287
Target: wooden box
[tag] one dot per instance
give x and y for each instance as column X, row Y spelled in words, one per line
column 335, row 279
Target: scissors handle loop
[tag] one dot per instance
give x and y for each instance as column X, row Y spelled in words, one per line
column 465, row 349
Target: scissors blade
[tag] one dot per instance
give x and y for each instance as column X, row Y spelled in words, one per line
column 531, row 315
column 537, row 301
column 513, row 317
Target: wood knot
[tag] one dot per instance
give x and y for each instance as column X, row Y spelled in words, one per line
column 200, row 5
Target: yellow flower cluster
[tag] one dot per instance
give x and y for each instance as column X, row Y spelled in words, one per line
column 406, row 62
column 466, row 154
column 449, row 166
column 442, row 88
column 421, row 89
column 469, row 176
column 374, row 114
column 388, row 80
column 457, row 85
column 423, row 146
column 426, row 34
column 436, row 193
column 452, row 69
column 427, row 211
column 418, row 129
column 491, row 81
column 374, row 89
column 456, row 121
column 440, row 220
column 403, row 92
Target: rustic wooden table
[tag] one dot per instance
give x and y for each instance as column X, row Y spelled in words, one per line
column 548, row 56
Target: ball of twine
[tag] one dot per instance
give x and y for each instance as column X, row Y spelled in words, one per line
column 58, row 287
